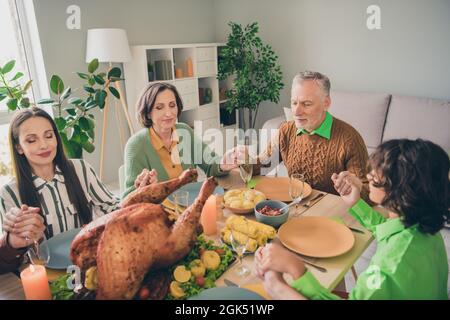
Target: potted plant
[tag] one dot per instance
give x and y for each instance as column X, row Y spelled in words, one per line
column 253, row 66
column 73, row 116
column 77, row 126
column 12, row 90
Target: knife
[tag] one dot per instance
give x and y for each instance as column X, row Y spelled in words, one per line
column 230, row 283
column 356, row 230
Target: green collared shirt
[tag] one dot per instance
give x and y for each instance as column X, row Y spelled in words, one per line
column 324, row 130
column 408, row 264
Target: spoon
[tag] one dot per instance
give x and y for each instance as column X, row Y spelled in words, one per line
column 296, row 201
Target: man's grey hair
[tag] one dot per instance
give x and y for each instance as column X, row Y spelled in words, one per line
column 322, row 80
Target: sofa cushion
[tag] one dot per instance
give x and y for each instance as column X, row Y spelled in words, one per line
column 412, row 118
column 366, row 112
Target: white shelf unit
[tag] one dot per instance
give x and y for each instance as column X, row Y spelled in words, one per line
column 204, row 57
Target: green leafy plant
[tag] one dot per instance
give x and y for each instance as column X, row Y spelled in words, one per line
column 253, row 66
column 73, row 117
column 77, row 124
column 11, row 88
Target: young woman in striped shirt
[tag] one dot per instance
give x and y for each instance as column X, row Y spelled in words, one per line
column 59, row 193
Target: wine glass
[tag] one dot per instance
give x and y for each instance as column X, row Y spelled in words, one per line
column 246, row 168
column 39, row 252
column 181, row 199
column 239, row 245
column 296, row 186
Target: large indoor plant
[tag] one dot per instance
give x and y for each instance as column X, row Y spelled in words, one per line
column 254, row 70
column 72, row 115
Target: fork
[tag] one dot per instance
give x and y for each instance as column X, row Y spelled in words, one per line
column 308, row 204
column 321, row 269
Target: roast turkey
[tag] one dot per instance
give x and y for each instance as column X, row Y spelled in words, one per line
column 128, row 243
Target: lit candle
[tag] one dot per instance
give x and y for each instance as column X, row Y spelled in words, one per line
column 35, row 283
column 209, row 216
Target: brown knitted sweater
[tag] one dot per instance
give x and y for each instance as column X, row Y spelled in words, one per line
column 318, row 158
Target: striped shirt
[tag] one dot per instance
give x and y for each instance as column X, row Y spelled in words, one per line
column 59, row 213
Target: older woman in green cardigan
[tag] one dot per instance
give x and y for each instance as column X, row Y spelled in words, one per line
column 164, row 148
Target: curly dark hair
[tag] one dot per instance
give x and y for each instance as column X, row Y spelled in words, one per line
column 415, row 177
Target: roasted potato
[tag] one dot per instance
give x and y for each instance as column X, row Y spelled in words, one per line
column 175, row 290
column 211, row 259
column 197, row 268
column 181, row 274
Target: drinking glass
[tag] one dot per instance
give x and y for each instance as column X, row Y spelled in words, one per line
column 239, row 246
column 246, row 166
column 39, row 252
column 296, row 186
column 181, row 199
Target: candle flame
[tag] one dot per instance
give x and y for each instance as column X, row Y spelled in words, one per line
column 32, row 269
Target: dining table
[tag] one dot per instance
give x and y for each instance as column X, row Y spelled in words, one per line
column 328, row 271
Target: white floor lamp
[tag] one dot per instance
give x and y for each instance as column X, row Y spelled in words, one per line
column 111, row 46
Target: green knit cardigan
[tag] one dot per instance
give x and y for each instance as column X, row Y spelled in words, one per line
column 140, row 154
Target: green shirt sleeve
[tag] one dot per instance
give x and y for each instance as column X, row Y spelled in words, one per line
column 366, row 215
column 309, row 287
column 371, row 285
column 135, row 161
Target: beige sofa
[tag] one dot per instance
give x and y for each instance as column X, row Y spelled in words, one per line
column 381, row 116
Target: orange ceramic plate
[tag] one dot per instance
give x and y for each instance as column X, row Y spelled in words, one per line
column 318, row 237
column 277, row 188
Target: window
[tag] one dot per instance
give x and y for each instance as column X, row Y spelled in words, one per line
column 12, row 46
column 20, row 42
column 5, row 159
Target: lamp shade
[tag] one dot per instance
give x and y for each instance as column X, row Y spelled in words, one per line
column 107, row 45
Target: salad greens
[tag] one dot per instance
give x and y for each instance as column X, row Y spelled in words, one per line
column 59, row 288
column 191, row 288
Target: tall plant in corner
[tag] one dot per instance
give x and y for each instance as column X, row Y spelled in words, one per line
column 76, row 124
column 254, row 69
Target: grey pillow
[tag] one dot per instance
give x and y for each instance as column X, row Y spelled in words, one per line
column 412, row 118
column 366, row 112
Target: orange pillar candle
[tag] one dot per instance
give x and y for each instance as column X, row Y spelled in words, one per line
column 208, row 218
column 189, row 67
column 35, row 283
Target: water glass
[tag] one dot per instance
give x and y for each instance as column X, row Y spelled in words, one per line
column 181, row 199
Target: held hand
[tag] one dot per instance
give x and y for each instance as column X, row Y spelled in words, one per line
column 276, row 258
column 275, row 285
column 229, row 160
column 24, row 226
column 348, row 186
column 145, row 178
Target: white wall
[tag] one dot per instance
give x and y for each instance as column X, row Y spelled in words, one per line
column 146, row 22
column 409, row 55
